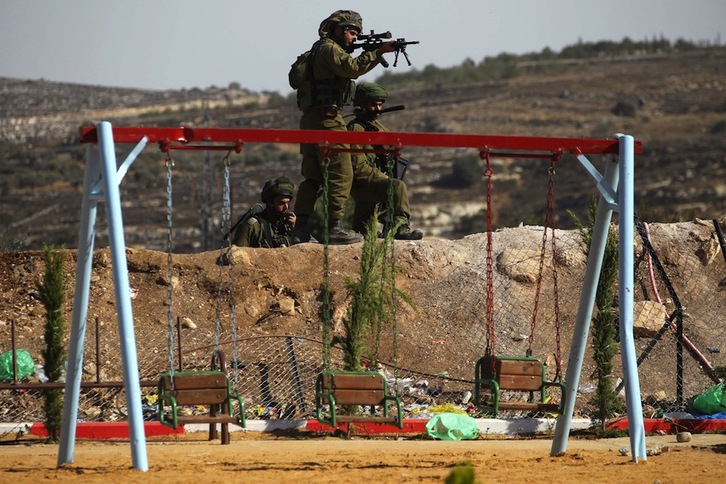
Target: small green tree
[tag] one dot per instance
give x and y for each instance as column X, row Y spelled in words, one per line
column 604, row 324
column 373, row 299
column 52, row 290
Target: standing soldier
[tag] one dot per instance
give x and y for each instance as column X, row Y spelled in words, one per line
column 326, row 87
column 370, row 179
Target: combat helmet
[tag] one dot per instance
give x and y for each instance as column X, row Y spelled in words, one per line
column 342, row 18
column 281, row 186
column 369, row 91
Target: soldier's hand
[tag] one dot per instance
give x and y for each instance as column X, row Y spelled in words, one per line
column 290, row 218
column 385, row 48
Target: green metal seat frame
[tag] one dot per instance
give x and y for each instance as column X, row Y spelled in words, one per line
column 517, row 374
column 336, row 388
column 210, row 388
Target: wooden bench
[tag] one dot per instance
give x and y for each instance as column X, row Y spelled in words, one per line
column 355, row 388
column 209, row 388
column 525, row 374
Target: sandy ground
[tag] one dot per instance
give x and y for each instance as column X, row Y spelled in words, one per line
column 254, row 458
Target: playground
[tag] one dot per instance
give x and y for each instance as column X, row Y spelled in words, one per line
column 434, row 347
column 255, row 457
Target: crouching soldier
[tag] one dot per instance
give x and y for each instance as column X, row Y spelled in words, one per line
column 370, row 183
column 271, row 225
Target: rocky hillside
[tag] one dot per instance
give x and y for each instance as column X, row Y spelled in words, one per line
column 675, row 104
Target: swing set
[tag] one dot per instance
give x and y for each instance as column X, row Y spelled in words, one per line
column 212, row 388
column 524, row 373
column 101, row 184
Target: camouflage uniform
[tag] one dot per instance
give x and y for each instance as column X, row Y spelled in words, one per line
column 370, row 184
column 330, row 88
column 264, row 227
column 257, row 231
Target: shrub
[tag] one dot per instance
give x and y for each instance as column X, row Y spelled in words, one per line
column 624, row 108
column 52, row 290
column 719, row 128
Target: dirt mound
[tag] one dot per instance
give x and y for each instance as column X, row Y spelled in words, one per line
column 278, row 292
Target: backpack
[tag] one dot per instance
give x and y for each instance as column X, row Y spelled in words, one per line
column 301, row 69
column 332, row 91
column 255, row 209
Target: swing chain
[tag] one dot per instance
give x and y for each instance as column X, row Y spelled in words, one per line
column 225, row 244
column 552, row 225
column 325, row 152
column 169, row 265
column 491, row 334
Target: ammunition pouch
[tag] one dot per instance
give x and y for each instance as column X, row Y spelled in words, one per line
column 335, row 91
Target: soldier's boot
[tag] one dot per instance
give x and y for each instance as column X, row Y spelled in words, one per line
column 337, row 235
column 301, row 232
column 405, row 232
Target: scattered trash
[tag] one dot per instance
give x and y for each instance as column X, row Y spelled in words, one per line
column 40, row 374
column 452, row 426
column 711, row 401
column 677, row 415
column 134, row 293
column 24, row 364
column 447, row 408
column 657, row 449
column 587, row 388
column 188, row 323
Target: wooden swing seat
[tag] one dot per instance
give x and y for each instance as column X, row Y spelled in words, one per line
column 336, row 388
column 209, row 388
column 515, row 374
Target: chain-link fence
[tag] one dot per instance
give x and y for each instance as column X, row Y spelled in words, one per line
column 437, row 349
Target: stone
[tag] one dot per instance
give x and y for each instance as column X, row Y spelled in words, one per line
column 684, row 436
column 648, row 318
column 286, row 305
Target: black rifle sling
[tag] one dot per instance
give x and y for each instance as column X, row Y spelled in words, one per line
column 251, row 212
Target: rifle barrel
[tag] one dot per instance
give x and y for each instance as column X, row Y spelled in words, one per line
column 398, row 107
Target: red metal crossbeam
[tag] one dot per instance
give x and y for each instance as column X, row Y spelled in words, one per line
column 204, row 137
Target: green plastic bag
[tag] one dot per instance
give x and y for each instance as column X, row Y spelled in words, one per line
column 711, row 401
column 452, row 426
column 25, row 365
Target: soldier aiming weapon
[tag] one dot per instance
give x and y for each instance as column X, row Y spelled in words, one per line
column 373, row 40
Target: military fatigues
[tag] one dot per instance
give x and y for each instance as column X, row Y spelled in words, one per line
column 333, row 69
column 370, row 184
column 257, row 231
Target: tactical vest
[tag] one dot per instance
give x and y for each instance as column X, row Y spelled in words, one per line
column 335, row 91
column 274, row 235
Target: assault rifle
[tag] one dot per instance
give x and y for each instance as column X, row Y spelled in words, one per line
column 373, row 41
column 399, row 107
column 383, row 159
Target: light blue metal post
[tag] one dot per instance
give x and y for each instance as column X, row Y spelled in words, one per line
column 80, row 307
column 123, row 297
column 622, row 175
column 584, row 312
column 625, row 298
column 105, row 173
